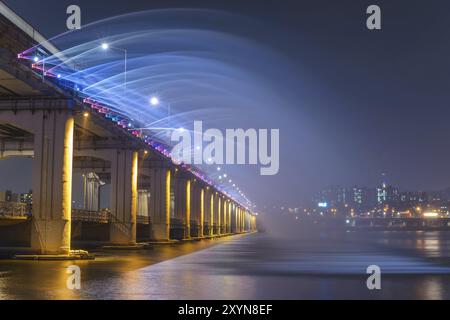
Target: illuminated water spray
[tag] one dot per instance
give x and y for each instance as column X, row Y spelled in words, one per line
column 155, row 71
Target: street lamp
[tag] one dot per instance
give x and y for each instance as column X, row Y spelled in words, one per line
column 154, row 101
column 105, row 46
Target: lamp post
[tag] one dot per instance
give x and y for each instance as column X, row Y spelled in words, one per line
column 154, row 101
column 105, row 46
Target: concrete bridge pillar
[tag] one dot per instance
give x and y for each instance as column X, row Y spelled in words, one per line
column 211, row 212
column 201, row 212
column 124, row 194
column 183, row 204
column 208, row 211
column 247, row 221
column 236, row 213
column 240, row 219
column 52, row 181
column 160, row 203
column 216, row 213
column 143, row 202
column 228, row 216
column 195, row 209
column 187, row 216
column 91, row 191
column 244, row 220
column 224, row 216
column 233, row 224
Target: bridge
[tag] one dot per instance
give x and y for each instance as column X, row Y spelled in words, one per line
column 399, row 223
column 152, row 198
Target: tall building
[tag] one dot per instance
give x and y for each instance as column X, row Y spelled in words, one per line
column 387, row 194
column 8, row 196
column 27, row 198
column 333, row 196
column 363, row 198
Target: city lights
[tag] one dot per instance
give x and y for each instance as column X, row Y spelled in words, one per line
column 430, row 215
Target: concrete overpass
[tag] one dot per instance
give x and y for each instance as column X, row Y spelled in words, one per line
column 65, row 134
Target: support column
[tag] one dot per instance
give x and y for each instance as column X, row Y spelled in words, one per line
column 224, row 215
column 247, row 224
column 52, row 182
column 216, row 213
column 183, row 204
column 91, row 191
column 143, row 202
column 124, row 193
column 228, row 204
column 187, row 217
column 233, row 218
column 238, row 220
column 211, row 213
column 179, row 190
column 201, row 222
column 160, row 203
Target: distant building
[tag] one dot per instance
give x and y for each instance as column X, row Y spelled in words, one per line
column 8, row 196
column 387, row 194
column 26, row 197
column 332, row 196
column 363, row 198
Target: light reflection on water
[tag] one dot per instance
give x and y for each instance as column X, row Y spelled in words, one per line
column 415, row 265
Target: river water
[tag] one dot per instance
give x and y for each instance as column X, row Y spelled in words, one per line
column 414, row 265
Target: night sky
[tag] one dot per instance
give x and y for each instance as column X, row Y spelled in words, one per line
column 358, row 103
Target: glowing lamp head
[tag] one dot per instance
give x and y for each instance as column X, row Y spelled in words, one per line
column 58, row 76
column 154, row 101
column 86, row 114
column 105, row 46
column 36, row 59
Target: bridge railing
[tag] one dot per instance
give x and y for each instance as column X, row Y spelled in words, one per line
column 142, row 219
column 102, row 216
column 13, row 209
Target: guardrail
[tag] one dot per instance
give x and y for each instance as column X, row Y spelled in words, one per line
column 13, row 209
column 143, row 219
column 102, row 216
